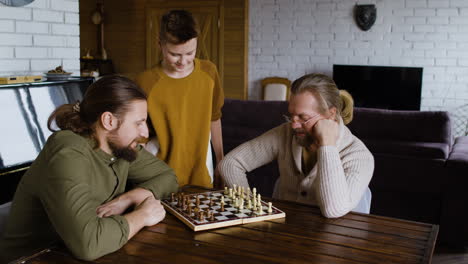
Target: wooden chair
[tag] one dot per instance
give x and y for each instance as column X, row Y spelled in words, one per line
column 276, row 89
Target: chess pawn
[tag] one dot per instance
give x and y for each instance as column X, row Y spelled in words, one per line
column 249, row 204
column 236, row 202
column 230, row 193
column 239, row 190
column 212, row 218
column 241, row 205
column 270, row 210
column 179, row 202
column 226, row 192
column 259, row 198
column 222, row 206
column 198, row 201
column 254, row 192
column 260, row 209
column 201, row 216
column 189, row 210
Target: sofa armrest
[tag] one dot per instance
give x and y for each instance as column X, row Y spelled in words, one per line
column 459, row 154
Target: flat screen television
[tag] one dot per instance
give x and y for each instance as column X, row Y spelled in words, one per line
column 396, row 88
column 24, row 110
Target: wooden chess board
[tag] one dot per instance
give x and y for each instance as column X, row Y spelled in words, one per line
column 231, row 215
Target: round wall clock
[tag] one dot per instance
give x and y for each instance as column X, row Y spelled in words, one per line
column 16, row 2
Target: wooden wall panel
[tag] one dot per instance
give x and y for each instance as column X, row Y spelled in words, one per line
column 125, row 39
column 236, row 37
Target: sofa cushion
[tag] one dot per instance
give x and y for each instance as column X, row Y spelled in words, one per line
column 245, row 120
column 414, row 149
column 420, row 126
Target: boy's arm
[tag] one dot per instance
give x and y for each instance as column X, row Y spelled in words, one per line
column 217, row 140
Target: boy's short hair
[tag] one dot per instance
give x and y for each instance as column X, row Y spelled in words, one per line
column 177, row 27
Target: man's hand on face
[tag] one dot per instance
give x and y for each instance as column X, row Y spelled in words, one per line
column 154, row 211
column 325, row 132
column 115, row 207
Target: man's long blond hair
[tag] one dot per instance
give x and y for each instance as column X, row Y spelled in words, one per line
column 327, row 94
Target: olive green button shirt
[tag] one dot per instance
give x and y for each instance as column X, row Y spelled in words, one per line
column 58, row 196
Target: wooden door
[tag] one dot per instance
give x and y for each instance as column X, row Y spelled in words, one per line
column 210, row 41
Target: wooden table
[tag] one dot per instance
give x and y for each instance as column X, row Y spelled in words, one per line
column 304, row 236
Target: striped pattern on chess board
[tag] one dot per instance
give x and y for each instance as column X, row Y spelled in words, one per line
column 230, row 216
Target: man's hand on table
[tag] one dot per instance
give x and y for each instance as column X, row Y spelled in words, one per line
column 153, row 209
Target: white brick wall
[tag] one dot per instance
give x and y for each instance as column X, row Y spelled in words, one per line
column 39, row 37
column 290, row 38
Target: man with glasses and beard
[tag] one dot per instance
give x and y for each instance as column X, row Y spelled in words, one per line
column 75, row 189
column 320, row 161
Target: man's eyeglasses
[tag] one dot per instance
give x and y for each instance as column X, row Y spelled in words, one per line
column 299, row 120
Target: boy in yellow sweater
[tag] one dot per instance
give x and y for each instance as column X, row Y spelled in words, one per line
column 184, row 102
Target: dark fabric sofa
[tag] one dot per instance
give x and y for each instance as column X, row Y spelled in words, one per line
column 419, row 172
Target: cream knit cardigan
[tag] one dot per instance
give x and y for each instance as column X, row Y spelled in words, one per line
column 336, row 183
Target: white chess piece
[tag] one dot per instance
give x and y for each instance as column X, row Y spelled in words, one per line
column 270, row 210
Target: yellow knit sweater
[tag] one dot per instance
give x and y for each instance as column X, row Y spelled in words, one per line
column 181, row 112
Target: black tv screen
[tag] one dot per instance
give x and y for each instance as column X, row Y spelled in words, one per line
column 396, row 88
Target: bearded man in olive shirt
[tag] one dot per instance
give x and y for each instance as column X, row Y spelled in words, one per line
column 75, row 189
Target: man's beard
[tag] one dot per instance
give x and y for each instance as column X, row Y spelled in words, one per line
column 122, row 152
column 304, row 141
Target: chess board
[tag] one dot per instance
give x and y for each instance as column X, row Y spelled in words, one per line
column 230, row 216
